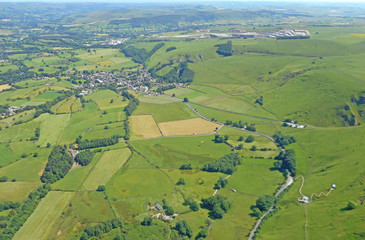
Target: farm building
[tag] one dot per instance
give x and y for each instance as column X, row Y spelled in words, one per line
column 158, row 207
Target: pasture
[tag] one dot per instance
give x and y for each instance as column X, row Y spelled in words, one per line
column 144, row 126
column 139, row 183
column 92, row 207
column 165, row 112
column 195, row 126
column 160, row 99
column 40, row 224
column 173, row 152
column 16, row 191
column 107, row 99
column 106, row 167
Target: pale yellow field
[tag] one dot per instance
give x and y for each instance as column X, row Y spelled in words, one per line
column 76, row 106
column 187, row 127
column 359, row 34
column 66, row 106
column 4, row 87
column 144, row 126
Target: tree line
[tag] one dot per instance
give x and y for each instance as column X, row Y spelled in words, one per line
column 10, row 224
column 101, row 228
column 95, row 143
column 59, row 163
column 140, row 55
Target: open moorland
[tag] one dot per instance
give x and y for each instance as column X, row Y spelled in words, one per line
column 182, row 121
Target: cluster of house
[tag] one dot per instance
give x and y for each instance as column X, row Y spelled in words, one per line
column 161, row 215
column 10, row 112
column 116, row 41
column 135, row 81
column 294, row 124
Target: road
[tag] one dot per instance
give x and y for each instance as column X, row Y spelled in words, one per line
column 288, row 182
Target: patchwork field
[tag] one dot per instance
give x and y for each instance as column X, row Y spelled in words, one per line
column 195, row 126
column 16, row 191
column 40, row 223
column 108, row 165
column 160, row 99
column 144, row 126
column 4, row 87
column 165, row 112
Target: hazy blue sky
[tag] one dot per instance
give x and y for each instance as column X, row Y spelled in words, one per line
column 187, row 1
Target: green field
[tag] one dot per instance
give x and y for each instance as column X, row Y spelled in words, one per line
column 108, row 165
column 16, row 191
column 173, row 152
column 165, row 112
column 40, row 223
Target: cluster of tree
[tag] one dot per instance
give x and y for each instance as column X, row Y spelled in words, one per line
column 221, row 183
column 128, row 95
column 101, row 188
column 250, row 139
column 37, row 134
column 132, row 105
column 263, row 204
column 225, row 164
column 225, row 49
column 85, row 144
column 164, row 88
column 186, row 167
column 181, row 181
column 9, row 205
column 283, row 140
column 59, row 163
column 191, row 203
column 169, row 49
column 14, row 221
column 168, row 209
column 140, row 55
column 180, row 74
column 46, row 107
column 101, row 228
column 147, row 221
column 217, row 205
column 183, row 229
column 84, row 158
column 240, row 124
column 4, row 109
column 3, row 179
column 260, row 101
column 218, row 139
column 286, row 161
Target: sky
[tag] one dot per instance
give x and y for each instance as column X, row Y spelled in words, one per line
column 188, row 1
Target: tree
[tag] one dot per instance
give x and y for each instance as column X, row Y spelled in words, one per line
column 250, row 139
column 240, row 139
column 194, row 206
column 203, row 233
column 35, row 154
column 147, row 221
column 186, row 100
column 253, row 148
column 239, row 147
column 186, row 167
column 183, row 229
column 101, row 188
column 169, row 211
column 181, row 181
column 263, row 203
column 226, row 137
column 351, row 205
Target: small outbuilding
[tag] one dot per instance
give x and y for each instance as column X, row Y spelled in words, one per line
column 333, row 185
column 304, row 199
column 158, row 207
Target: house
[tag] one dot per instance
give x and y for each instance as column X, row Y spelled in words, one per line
column 158, row 207
column 304, row 199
